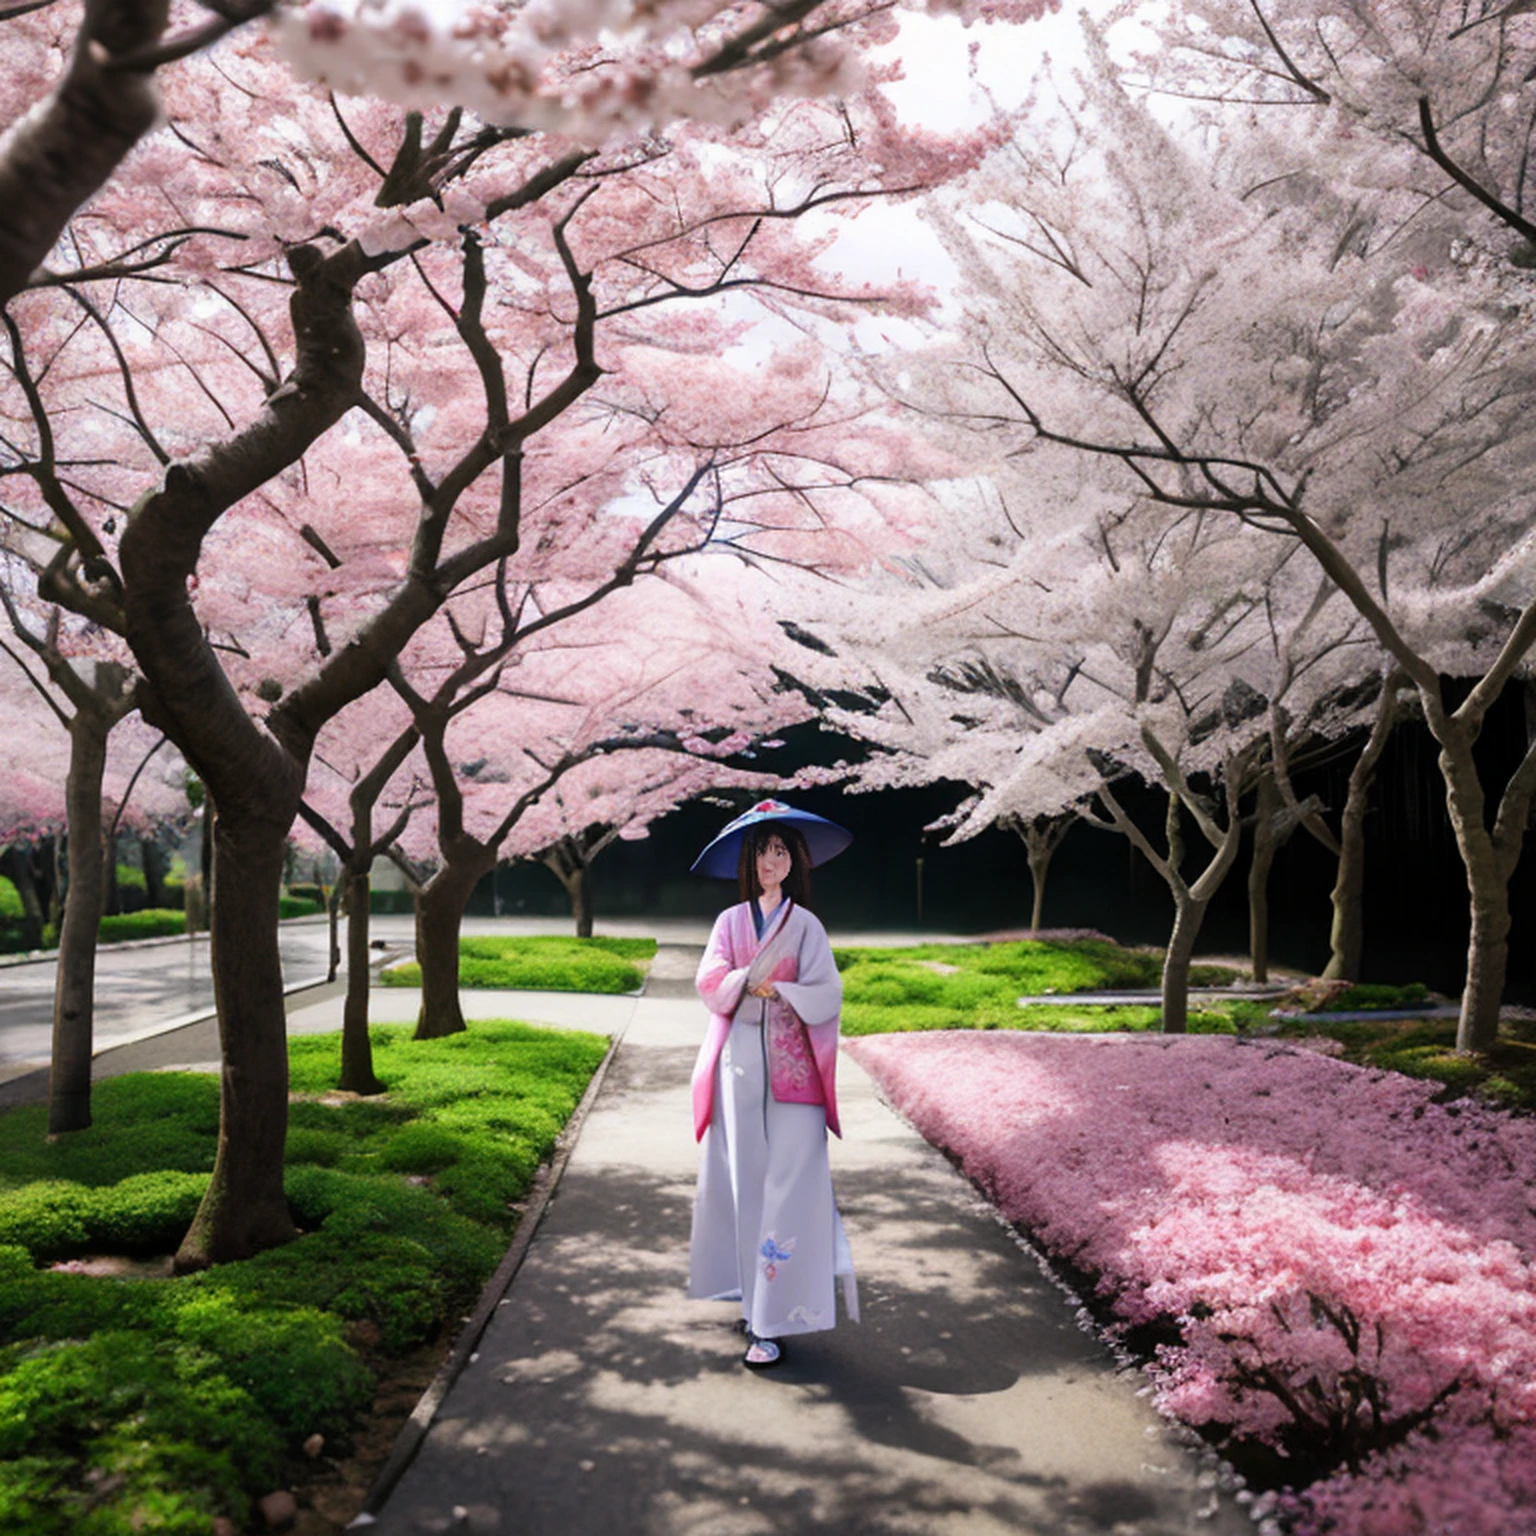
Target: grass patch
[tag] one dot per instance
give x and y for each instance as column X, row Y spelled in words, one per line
column 1426, row 1048
column 550, row 963
column 131, row 1405
column 977, row 986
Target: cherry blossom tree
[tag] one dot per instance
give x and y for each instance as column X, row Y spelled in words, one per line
column 505, row 327
column 548, row 713
column 361, row 763
column 67, row 775
column 616, row 797
column 80, row 88
column 1432, row 105
column 1257, row 332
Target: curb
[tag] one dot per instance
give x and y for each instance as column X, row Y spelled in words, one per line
column 31, row 1087
column 414, row 1431
column 37, row 956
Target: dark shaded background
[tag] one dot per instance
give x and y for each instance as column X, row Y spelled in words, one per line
column 1415, row 900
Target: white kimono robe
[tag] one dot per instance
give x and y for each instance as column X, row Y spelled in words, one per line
column 766, row 1229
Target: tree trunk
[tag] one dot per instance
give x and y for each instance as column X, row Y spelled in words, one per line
column 1039, row 866
column 568, row 863
column 1189, row 914
column 576, row 878
column 1488, row 887
column 245, row 1209
column 1266, row 844
column 1346, row 938
column 440, row 907
column 333, row 914
column 153, row 857
column 581, row 903
column 16, row 866
column 356, row 1047
column 69, row 1077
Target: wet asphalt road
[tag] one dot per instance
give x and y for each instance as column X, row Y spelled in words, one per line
column 138, row 988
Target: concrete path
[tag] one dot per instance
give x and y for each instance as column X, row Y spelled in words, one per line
column 968, row 1403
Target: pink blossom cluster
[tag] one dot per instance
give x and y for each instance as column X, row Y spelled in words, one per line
column 1348, row 1264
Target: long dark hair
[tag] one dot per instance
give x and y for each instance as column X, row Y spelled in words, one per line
column 797, row 883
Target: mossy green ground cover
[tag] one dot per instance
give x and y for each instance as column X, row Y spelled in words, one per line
column 546, row 963
column 151, row 1405
column 978, row 986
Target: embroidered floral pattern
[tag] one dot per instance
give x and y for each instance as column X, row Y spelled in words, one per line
column 774, row 1255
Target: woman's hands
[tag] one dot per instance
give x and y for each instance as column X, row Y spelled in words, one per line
column 767, row 989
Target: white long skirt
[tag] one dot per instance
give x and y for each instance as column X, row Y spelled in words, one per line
column 766, row 1230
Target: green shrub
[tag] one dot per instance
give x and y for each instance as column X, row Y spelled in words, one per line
column 353, row 1270
column 298, row 906
column 422, row 1148
column 294, row 1363
column 151, row 923
column 10, row 899
column 130, row 878
column 49, row 1218
column 323, row 1148
column 549, row 963
column 122, row 1433
column 44, row 1304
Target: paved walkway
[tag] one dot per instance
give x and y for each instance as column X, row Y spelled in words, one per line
column 601, row 1402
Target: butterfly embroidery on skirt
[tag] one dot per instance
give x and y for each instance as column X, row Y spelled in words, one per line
column 773, row 1255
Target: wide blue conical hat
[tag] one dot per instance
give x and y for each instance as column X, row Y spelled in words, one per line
column 825, row 839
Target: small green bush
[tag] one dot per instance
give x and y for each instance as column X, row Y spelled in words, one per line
column 10, row 899
column 130, row 878
column 294, row 1362
column 549, row 963
column 151, row 923
column 49, row 1218
column 298, row 906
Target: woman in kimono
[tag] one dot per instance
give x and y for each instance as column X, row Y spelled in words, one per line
column 766, row 1230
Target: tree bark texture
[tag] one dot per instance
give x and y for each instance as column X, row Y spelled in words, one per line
column 1189, row 914
column 439, row 917
column 245, row 1209
column 1488, row 887
column 568, row 864
column 1039, row 868
column 153, row 857
column 62, row 152
column 1266, row 844
column 69, row 1076
column 357, row 1074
